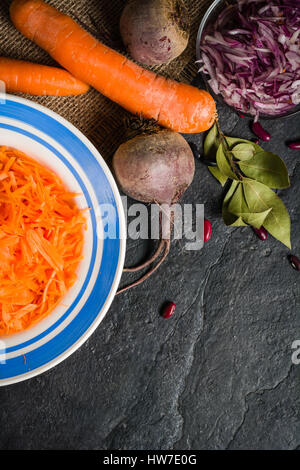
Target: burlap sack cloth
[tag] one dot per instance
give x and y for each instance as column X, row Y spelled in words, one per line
column 101, row 120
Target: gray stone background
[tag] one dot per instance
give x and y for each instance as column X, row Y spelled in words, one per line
column 218, row 375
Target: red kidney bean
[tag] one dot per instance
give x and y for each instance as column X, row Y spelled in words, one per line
column 261, row 233
column 169, row 310
column 294, row 145
column 260, row 132
column 295, row 262
column 207, row 230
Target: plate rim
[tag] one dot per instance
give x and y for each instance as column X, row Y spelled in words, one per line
column 122, row 246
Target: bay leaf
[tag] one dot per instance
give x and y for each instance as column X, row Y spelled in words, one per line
column 267, row 168
column 224, row 165
column 261, row 198
column 238, row 207
column 256, row 219
column 218, row 175
column 211, row 143
column 233, row 141
column 238, row 223
column 229, row 218
column 237, row 203
column 243, row 151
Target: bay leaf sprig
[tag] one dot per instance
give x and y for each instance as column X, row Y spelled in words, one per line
column 254, row 174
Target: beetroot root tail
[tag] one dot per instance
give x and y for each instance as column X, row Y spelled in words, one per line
column 149, row 261
column 166, row 244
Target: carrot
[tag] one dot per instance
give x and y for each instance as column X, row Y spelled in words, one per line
column 25, row 77
column 41, row 241
column 177, row 106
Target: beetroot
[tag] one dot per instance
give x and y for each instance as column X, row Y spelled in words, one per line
column 155, row 168
column 155, row 31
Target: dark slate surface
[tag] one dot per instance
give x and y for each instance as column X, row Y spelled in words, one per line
column 217, row 375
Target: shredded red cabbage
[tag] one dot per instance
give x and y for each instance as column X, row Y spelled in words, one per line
column 252, row 56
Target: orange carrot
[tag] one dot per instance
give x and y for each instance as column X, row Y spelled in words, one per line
column 177, row 106
column 41, row 241
column 25, row 77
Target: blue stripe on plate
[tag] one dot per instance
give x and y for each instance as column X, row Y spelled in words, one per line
column 111, row 249
column 94, row 250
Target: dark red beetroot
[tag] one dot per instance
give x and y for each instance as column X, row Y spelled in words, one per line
column 155, row 31
column 155, row 168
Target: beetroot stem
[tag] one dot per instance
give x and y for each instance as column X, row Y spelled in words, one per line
column 158, row 250
column 166, row 225
column 167, row 244
column 149, row 261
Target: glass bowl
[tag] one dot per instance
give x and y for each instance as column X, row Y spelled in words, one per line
column 210, row 17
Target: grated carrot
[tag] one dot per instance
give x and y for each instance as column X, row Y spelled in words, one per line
column 41, row 241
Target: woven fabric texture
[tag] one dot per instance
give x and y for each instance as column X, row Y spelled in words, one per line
column 101, row 120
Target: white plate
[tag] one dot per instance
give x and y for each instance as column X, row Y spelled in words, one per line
column 50, row 139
